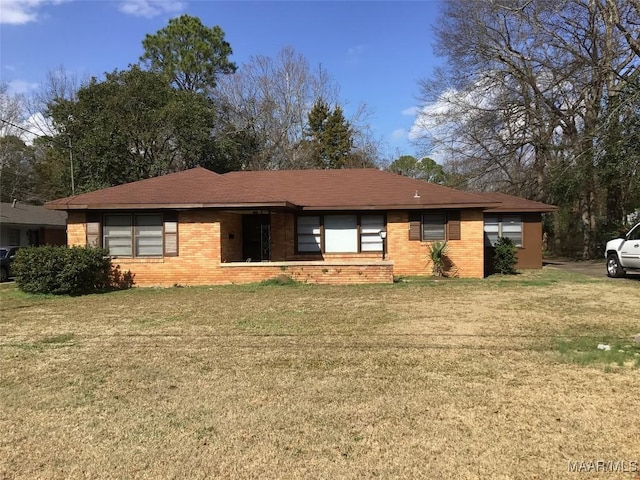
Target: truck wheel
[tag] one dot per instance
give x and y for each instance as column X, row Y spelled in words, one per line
column 614, row 270
column 4, row 275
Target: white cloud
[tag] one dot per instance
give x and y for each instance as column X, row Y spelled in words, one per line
column 357, row 50
column 411, row 111
column 11, row 68
column 150, row 8
column 427, row 117
column 354, row 54
column 17, row 87
column 421, row 124
column 399, row 134
column 19, row 12
column 36, row 125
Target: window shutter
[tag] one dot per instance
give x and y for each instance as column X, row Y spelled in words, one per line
column 94, row 229
column 414, row 225
column 171, row 234
column 453, row 221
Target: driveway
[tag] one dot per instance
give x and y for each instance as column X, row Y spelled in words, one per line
column 591, row 268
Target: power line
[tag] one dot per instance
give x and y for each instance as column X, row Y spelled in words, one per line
column 19, row 127
column 53, row 139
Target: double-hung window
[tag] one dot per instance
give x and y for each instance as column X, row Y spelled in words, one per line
column 348, row 233
column 309, row 239
column 117, row 235
column 148, row 235
column 133, row 235
column 433, row 227
column 370, row 228
column 509, row 226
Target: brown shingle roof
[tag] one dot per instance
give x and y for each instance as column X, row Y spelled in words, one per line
column 510, row 203
column 364, row 188
column 197, row 187
column 349, row 189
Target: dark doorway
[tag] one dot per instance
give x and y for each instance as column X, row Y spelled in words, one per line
column 34, row 238
column 256, row 237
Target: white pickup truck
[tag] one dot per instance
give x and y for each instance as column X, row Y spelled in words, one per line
column 623, row 254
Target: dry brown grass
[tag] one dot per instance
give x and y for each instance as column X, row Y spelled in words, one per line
column 448, row 379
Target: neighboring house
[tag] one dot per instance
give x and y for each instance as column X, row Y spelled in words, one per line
column 30, row 225
column 327, row 226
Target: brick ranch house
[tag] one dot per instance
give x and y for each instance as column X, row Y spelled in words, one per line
column 197, row 227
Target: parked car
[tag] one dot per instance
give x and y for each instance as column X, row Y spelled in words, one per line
column 7, row 255
column 623, row 253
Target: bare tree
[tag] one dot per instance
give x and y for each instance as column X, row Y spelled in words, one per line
column 59, row 84
column 12, row 107
column 520, row 102
column 271, row 97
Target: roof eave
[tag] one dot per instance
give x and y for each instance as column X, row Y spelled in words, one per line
column 443, row 206
column 168, row 206
column 547, row 209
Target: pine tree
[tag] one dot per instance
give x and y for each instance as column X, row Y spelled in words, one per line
column 328, row 136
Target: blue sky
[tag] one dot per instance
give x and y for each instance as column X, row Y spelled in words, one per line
column 375, row 51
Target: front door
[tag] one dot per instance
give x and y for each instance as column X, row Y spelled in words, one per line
column 256, row 237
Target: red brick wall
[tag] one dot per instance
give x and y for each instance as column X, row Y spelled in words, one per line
column 198, row 261
column 282, row 237
column 208, row 239
column 76, row 229
column 308, row 272
column 231, row 237
column 412, row 257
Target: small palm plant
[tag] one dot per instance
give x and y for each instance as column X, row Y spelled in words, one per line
column 438, row 255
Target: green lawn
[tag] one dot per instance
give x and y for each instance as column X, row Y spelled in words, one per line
column 494, row 378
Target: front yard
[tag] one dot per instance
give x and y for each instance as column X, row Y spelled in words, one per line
column 495, row 378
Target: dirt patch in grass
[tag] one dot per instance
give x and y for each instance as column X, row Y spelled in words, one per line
column 439, row 379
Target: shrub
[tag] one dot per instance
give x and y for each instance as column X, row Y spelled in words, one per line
column 504, row 257
column 438, row 256
column 67, row 271
column 280, row 280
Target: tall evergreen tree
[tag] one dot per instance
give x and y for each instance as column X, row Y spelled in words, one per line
column 328, row 137
column 190, row 54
